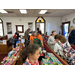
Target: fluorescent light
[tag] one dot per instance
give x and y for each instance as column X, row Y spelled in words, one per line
column 2, row 11
column 42, row 11
column 23, row 11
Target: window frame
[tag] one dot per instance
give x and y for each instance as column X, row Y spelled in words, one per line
column 40, row 22
column 2, row 25
column 22, row 28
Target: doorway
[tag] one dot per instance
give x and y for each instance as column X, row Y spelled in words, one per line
column 40, row 23
column 65, row 28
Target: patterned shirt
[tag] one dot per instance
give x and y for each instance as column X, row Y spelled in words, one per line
column 27, row 62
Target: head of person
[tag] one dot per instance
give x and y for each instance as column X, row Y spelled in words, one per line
column 28, row 29
column 71, row 28
column 37, row 29
column 53, row 33
column 17, row 32
column 60, row 38
column 31, row 51
column 35, row 34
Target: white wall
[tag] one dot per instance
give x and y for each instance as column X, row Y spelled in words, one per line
column 52, row 23
column 70, row 18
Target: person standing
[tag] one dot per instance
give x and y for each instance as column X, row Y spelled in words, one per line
column 26, row 36
column 39, row 31
column 71, row 37
column 36, row 38
column 16, row 36
column 51, row 40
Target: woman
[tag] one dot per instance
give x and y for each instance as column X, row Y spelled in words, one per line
column 51, row 40
column 36, row 38
column 57, row 48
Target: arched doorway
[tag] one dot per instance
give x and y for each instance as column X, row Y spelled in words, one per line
column 1, row 28
column 40, row 23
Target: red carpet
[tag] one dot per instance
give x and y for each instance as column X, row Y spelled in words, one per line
column 2, row 56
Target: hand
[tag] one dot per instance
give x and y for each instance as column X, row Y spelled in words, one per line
column 42, row 46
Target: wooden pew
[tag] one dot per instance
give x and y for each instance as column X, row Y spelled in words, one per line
column 4, row 37
column 48, row 49
column 21, row 46
column 45, row 38
column 73, row 46
column 5, row 48
column 18, row 53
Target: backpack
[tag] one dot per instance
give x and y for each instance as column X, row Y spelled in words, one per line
column 12, row 40
column 69, row 53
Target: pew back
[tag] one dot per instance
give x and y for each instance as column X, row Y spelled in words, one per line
column 48, row 49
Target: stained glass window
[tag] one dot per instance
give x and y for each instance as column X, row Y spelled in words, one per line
column 40, row 20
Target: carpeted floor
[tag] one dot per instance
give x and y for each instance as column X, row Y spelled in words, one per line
column 2, row 56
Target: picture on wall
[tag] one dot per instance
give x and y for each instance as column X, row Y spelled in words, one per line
column 9, row 28
column 30, row 25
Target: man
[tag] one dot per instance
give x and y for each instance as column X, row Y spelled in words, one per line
column 26, row 36
column 71, row 37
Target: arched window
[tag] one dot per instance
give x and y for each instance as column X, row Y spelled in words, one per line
column 40, row 23
column 1, row 28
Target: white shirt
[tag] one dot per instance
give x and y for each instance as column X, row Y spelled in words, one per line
column 59, row 49
column 51, row 41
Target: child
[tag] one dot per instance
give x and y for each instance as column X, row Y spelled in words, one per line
column 30, row 55
column 51, row 40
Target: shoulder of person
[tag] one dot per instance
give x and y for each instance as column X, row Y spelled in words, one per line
column 58, row 46
column 73, row 31
column 50, row 36
column 39, row 34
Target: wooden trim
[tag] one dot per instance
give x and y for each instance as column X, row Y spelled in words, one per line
column 57, row 55
column 22, row 28
column 18, row 53
column 72, row 44
column 42, row 22
column 2, row 25
column 63, row 25
column 4, row 37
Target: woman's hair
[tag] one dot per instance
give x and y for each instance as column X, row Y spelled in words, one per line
column 57, row 36
column 34, row 33
column 60, row 37
column 52, row 32
column 31, row 49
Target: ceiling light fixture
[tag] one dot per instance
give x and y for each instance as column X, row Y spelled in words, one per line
column 2, row 11
column 42, row 11
column 23, row 11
